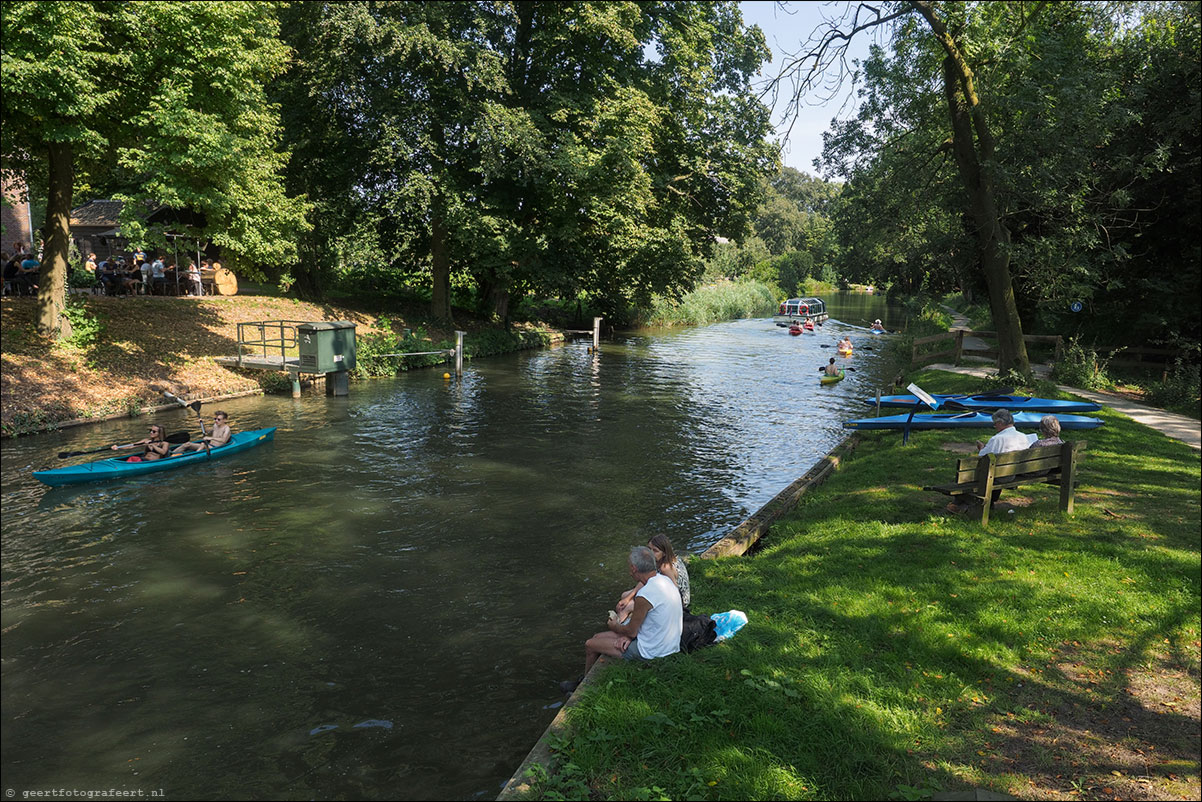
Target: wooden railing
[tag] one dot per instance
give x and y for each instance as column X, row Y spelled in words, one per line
column 958, row 351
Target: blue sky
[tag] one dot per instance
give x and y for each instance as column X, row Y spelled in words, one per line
column 786, row 30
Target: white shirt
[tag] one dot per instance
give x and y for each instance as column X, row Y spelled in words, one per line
column 1008, row 439
column 659, row 636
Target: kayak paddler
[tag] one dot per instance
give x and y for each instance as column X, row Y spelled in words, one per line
column 156, row 446
column 830, row 369
column 220, row 436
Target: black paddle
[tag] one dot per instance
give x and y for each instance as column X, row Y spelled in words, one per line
column 195, row 405
column 175, row 439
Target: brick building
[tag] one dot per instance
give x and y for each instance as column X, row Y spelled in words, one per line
column 16, row 222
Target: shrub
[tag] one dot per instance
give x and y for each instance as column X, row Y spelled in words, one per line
column 85, row 326
column 1179, row 390
column 727, row 300
column 1081, row 366
column 370, row 349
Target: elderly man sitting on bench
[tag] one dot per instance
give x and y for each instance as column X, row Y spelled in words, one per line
column 1007, row 439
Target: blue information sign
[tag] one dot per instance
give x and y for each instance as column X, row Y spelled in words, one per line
column 1077, row 306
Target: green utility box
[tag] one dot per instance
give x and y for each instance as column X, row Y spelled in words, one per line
column 326, row 347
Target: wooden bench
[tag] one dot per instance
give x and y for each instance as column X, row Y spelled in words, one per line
column 979, row 477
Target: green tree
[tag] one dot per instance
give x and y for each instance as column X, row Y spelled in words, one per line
column 169, row 92
column 535, row 147
column 943, row 45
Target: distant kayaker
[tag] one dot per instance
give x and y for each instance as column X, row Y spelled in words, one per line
column 830, row 369
column 844, row 344
column 877, row 325
column 156, row 446
column 220, row 436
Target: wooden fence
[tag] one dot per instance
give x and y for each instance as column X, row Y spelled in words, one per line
column 957, row 350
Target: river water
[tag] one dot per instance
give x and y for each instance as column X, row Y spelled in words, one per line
column 379, row 604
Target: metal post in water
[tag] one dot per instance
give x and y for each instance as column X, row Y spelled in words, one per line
column 459, row 352
column 878, row 402
column 596, row 333
column 296, row 387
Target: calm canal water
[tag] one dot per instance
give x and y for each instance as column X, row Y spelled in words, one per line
column 379, row 604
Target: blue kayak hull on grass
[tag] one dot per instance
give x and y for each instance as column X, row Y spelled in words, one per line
column 1016, row 403
column 968, row 420
column 118, row 468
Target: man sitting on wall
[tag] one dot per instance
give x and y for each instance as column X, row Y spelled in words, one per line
column 654, row 626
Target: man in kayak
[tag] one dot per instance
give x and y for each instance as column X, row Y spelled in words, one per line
column 156, row 446
column 830, row 369
column 844, row 344
column 220, row 436
column 1007, row 439
column 654, row 627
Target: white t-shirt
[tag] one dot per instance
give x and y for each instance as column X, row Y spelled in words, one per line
column 1008, row 439
column 659, row 636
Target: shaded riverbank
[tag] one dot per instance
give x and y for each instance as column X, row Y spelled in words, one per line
column 141, row 346
column 897, row 651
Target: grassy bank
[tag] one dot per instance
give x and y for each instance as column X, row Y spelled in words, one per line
column 895, row 650
column 126, row 351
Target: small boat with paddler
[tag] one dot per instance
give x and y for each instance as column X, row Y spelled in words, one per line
column 122, row 467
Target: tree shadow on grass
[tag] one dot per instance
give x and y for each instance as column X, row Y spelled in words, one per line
column 893, row 650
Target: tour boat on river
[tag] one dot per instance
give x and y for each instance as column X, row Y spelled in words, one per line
column 799, row 310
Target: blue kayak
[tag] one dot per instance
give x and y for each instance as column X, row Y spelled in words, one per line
column 1017, row 403
column 967, row 420
column 118, row 468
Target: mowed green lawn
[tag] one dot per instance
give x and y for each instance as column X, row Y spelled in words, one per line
column 895, row 650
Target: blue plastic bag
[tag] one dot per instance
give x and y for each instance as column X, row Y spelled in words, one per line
column 728, row 623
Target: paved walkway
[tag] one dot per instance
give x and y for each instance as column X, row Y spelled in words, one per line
column 1179, row 427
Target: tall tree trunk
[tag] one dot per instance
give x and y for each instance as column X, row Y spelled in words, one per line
column 440, row 262
column 973, row 148
column 52, row 278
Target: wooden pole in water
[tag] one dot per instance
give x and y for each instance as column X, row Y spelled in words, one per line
column 459, row 352
column 596, row 333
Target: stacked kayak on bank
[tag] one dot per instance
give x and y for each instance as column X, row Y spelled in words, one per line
column 118, row 468
column 967, row 420
column 1017, row 403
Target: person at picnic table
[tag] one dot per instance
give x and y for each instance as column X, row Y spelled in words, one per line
column 193, row 279
column 90, row 264
column 158, row 277
column 830, row 368
column 655, row 624
column 131, row 276
column 670, row 566
column 28, row 273
column 11, row 268
column 154, row 447
column 1006, row 440
column 219, row 437
column 107, row 274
